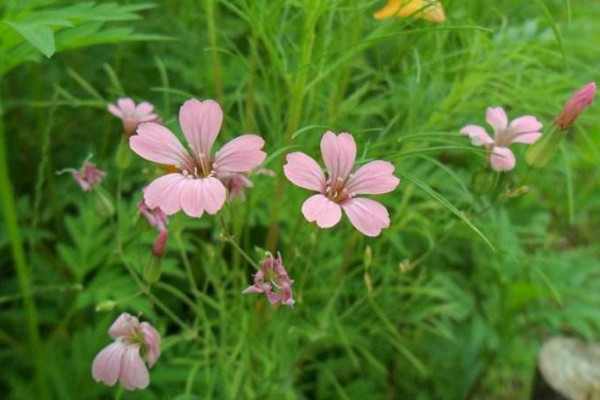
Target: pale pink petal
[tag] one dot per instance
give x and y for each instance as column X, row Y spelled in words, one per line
column 126, row 105
column 525, row 129
column 477, row 134
column 165, row 192
column 202, row 194
column 241, row 154
column 134, row 373
column 115, row 111
column 323, row 211
column 107, row 364
column 375, row 177
column 156, row 143
column 502, row 159
column 148, row 118
column 304, row 171
column 339, row 153
column 214, row 194
column 125, row 325
column 496, row 117
column 368, row 216
column 144, row 108
column 152, row 341
column 201, row 122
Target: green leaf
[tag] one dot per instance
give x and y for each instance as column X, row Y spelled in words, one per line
column 40, row 36
column 443, row 201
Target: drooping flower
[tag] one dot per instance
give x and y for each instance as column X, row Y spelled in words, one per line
column 88, row 176
column 525, row 130
column 272, row 280
column 135, row 349
column 340, row 189
column 155, row 216
column 429, row 10
column 236, row 184
column 132, row 115
column 580, row 100
column 195, row 187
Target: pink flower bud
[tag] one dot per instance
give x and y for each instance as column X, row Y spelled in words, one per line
column 581, row 100
column 160, row 244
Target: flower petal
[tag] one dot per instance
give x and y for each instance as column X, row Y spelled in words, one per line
column 107, row 364
column 304, row 171
column 430, row 10
column 124, row 325
column 375, row 177
column 525, row 129
column 156, row 143
column 165, row 192
column 496, row 117
column 502, row 159
column 144, row 108
column 201, row 122
column 126, row 105
column 323, row 211
column 477, row 134
column 134, row 373
column 152, row 341
column 114, row 110
column 202, row 194
column 368, row 216
column 339, row 153
column 241, row 154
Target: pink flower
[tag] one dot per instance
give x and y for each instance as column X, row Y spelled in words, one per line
column 133, row 115
column 525, row 129
column 121, row 361
column 340, row 189
column 155, row 216
column 195, row 188
column 88, row 176
column 581, row 100
column 273, row 280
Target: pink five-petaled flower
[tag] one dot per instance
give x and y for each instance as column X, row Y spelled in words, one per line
column 195, row 188
column 133, row 115
column 525, row 129
column 88, row 176
column 272, row 280
column 121, row 361
column 340, row 189
column 581, row 100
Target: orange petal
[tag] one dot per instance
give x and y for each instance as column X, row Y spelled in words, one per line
column 431, row 10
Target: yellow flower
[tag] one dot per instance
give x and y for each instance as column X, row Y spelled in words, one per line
column 430, row 10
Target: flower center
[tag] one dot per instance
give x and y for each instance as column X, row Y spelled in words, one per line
column 335, row 190
column 200, row 168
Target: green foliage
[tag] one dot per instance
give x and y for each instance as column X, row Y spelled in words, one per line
column 451, row 302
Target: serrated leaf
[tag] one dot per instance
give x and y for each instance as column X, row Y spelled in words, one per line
column 40, row 36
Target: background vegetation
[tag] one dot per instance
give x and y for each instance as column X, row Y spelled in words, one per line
column 428, row 310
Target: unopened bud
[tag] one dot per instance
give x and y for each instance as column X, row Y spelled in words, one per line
column 484, row 181
column 153, row 269
column 123, row 155
column 539, row 153
column 581, row 100
column 107, row 305
column 160, row 244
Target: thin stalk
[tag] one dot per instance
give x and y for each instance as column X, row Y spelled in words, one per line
column 186, row 263
column 295, row 114
column 9, row 210
column 212, row 38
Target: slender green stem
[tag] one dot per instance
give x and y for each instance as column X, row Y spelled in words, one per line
column 186, row 263
column 210, row 9
column 295, row 115
column 227, row 237
column 9, row 210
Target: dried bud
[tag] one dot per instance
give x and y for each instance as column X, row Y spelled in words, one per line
column 581, row 100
